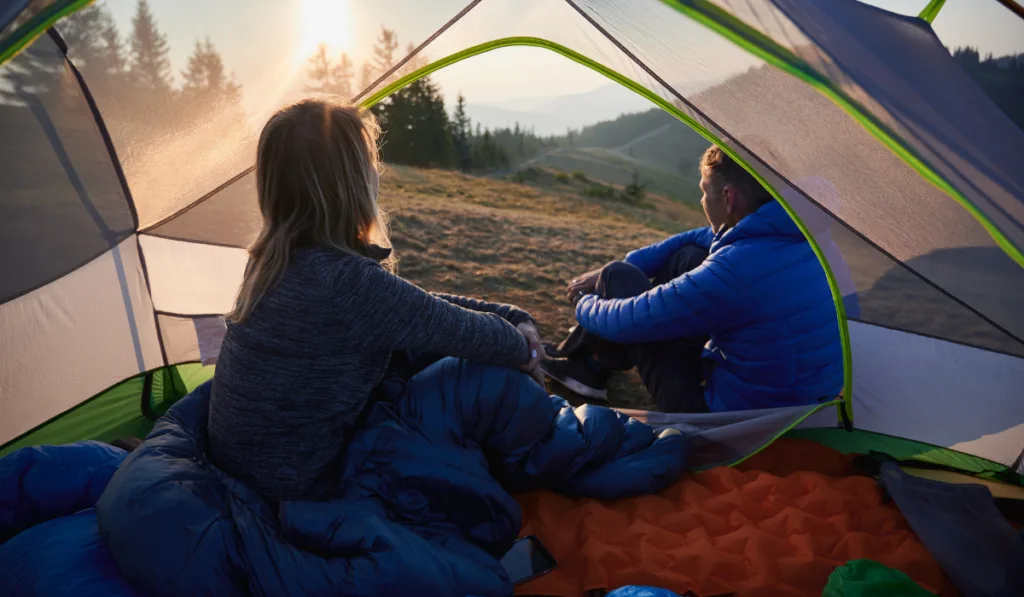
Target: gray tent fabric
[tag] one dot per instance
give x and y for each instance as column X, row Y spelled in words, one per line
column 726, row 438
column 933, row 105
column 963, row 529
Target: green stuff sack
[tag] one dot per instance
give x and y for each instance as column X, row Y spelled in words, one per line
column 868, row 578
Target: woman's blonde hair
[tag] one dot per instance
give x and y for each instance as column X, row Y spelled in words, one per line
column 317, row 178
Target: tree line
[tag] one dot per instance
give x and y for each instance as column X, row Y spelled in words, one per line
column 418, row 131
column 130, row 74
column 1002, row 79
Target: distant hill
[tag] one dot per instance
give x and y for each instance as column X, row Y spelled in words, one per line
column 608, row 166
column 661, row 150
column 555, row 115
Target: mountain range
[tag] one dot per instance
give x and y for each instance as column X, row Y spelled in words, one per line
column 554, row 115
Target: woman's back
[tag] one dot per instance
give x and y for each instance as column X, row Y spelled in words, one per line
column 279, row 406
column 293, row 377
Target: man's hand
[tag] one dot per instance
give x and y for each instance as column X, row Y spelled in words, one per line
column 529, row 331
column 581, row 285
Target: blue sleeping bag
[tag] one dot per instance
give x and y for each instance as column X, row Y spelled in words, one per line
column 422, row 505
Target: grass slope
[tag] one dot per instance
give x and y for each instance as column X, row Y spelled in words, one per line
column 617, row 168
column 520, row 243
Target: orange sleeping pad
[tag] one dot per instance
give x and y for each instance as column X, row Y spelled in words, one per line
column 777, row 525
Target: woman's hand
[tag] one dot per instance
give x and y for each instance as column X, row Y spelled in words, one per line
column 581, row 285
column 529, row 331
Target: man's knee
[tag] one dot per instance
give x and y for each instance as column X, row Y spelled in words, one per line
column 622, row 280
column 686, row 259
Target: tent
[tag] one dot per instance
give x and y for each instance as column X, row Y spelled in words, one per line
column 123, row 224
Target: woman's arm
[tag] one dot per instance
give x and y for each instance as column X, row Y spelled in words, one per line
column 391, row 314
column 509, row 313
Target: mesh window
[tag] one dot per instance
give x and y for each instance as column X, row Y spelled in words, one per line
column 210, row 74
column 61, row 204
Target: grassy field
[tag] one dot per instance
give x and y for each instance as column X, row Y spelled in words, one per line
column 618, row 168
column 520, row 242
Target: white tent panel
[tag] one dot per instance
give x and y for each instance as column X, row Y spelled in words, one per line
column 191, row 278
column 73, row 338
column 938, row 392
column 191, row 340
column 181, row 343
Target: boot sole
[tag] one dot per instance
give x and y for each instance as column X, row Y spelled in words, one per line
column 578, row 387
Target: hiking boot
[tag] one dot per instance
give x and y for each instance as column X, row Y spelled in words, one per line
column 578, row 377
column 565, row 348
column 551, row 350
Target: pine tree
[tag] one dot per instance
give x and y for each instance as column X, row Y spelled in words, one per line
column 414, row 63
column 319, row 69
column 367, row 78
column 149, row 59
column 97, row 45
column 328, row 77
column 417, row 130
column 343, row 74
column 384, row 51
column 462, row 129
column 204, row 79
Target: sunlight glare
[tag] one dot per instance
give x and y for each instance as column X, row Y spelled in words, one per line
column 328, row 22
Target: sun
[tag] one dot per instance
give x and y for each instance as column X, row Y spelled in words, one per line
column 326, row 22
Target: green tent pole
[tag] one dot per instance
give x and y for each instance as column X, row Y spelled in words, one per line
column 932, row 10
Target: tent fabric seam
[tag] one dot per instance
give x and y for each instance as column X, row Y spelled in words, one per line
column 186, row 316
column 458, row 17
column 149, row 289
column 200, row 200
column 195, row 242
column 837, row 403
column 939, row 338
column 753, row 41
column 87, row 261
column 101, row 125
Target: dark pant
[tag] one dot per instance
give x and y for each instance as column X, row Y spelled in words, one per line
column 672, row 371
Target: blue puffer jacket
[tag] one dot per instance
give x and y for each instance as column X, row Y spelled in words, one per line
column 761, row 296
column 422, row 507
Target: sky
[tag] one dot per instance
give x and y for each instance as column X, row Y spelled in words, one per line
column 266, row 42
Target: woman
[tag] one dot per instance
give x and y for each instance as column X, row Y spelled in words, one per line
column 320, row 312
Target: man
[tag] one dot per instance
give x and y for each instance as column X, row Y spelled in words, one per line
column 739, row 315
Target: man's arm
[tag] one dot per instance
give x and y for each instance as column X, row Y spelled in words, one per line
column 652, row 258
column 693, row 305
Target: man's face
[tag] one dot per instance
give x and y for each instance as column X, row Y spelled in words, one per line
column 714, row 203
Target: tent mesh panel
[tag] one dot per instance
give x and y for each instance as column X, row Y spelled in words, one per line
column 63, row 205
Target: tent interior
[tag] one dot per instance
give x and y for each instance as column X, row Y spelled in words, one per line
column 127, row 194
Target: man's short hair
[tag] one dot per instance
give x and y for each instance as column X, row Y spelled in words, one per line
column 720, row 169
